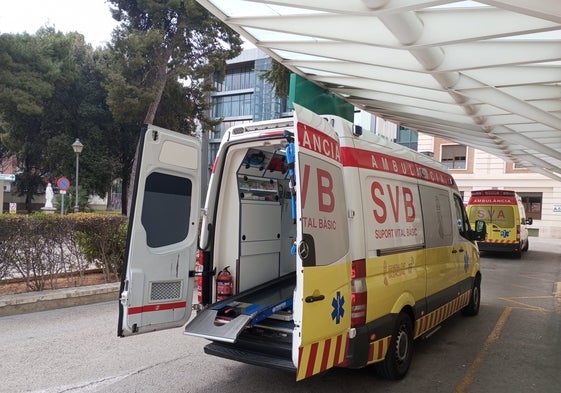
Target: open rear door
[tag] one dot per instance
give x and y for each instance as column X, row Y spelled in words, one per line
column 322, row 301
column 157, row 285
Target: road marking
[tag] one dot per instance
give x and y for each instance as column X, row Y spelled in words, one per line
column 557, row 295
column 493, row 336
column 526, row 306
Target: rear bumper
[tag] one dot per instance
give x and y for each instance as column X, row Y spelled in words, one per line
column 245, row 355
column 499, row 247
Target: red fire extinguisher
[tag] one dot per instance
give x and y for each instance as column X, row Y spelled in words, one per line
column 224, row 284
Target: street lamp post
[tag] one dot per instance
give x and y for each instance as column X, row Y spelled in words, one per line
column 77, row 147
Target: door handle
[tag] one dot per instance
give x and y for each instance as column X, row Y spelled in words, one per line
column 454, row 251
column 314, row 298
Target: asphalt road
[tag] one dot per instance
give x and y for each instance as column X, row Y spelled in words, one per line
column 513, row 345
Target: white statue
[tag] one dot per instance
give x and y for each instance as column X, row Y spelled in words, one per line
column 49, row 197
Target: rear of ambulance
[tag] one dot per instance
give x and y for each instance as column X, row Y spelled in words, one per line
column 499, row 210
column 275, row 273
column 245, row 270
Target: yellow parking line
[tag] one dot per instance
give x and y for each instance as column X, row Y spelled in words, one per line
column 525, row 306
column 557, row 295
column 493, row 336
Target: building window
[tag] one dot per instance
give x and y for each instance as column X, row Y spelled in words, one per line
column 532, row 202
column 216, row 135
column 407, row 138
column 515, row 168
column 236, row 78
column 232, row 105
column 454, row 156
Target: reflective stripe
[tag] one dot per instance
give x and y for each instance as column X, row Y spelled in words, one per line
column 436, row 317
column 319, row 356
column 378, row 349
column 156, row 307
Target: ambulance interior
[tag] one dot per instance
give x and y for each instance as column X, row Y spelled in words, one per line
column 256, row 231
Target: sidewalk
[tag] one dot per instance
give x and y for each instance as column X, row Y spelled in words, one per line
column 22, row 303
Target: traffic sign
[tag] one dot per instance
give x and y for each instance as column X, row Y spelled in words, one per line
column 63, row 183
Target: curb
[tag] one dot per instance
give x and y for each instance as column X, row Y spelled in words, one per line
column 66, row 297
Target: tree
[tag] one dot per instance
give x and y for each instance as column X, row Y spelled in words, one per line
column 50, row 93
column 162, row 57
column 279, row 77
column 30, row 69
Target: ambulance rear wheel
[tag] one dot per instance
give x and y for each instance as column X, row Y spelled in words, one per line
column 400, row 352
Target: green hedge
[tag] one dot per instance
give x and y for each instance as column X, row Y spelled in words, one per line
column 41, row 247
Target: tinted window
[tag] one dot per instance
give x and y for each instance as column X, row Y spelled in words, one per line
column 501, row 216
column 461, row 216
column 166, row 209
column 437, row 214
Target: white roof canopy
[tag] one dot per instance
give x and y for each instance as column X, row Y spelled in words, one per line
column 486, row 74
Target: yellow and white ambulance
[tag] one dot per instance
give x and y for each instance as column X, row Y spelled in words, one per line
column 505, row 217
column 320, row 246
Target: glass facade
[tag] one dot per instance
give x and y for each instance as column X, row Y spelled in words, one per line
column 407, row 137
column 242, row 96
column 235, row 105
column 237, row 77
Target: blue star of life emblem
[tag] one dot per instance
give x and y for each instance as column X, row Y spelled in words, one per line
column 505, row 233
column 338, row 310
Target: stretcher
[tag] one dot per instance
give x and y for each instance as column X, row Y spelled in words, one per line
column 224, row 321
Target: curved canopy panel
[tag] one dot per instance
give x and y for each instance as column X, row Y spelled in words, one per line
column 482, row 73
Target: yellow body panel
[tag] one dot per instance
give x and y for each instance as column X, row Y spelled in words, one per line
column 322, row 319
column 394, row 281
column 325, row 322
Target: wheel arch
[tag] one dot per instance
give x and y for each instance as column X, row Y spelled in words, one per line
column 404, row 301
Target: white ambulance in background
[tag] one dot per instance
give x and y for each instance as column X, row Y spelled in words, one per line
column 340, row 248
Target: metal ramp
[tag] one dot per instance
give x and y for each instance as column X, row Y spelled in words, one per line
column 225, row 320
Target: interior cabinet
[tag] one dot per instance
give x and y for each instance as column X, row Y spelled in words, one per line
column 258, row 189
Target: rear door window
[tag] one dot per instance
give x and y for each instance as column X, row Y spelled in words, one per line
column 501, row 216
column 166, row 209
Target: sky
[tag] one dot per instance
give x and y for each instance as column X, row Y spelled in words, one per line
column 91, row 18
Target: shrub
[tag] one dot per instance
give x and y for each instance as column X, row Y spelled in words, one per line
column 40, row 247
column 102, row 238
column 32, row 247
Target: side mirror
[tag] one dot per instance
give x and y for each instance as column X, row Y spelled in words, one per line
column 480, row 232
column 530, row 221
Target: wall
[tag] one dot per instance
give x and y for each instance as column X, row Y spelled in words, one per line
column 486, row 171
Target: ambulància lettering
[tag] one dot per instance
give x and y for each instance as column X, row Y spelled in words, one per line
column 313, row 140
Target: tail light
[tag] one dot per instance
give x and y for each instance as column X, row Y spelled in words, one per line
column 359, row 293
column 205, row 277
column 199, row 276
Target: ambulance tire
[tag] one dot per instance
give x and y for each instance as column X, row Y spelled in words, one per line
column 400, row 352
column 472, row 308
